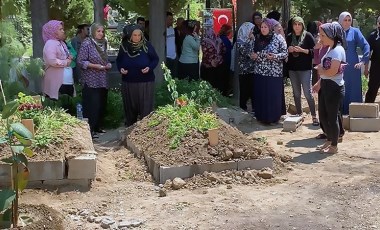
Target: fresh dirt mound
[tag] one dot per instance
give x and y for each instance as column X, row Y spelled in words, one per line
column 194, row 148
column 78, row 138
column 43, row 217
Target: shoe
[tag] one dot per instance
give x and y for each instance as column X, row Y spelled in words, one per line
column 94, row 135
column 100, row 131
column 324, row 146
column 330, row 150
column 315, row 121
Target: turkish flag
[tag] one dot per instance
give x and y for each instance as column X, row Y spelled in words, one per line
column 221, row 17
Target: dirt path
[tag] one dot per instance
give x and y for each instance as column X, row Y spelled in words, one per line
column 317, row 192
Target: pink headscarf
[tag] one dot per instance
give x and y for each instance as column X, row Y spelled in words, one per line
column 50, row 29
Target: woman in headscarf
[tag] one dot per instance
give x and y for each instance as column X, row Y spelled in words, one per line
column 58, row 73
column 374, row 73
column 352, row 74
column 330, row 86
column 269, row 54
column 300, row 63
column 257, row 18
column 226, row 77
column 93, row 60
column 244, row 44
column 213, row 51
column 188, row 66
column 136, row 61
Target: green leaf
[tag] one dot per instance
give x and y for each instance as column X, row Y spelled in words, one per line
column 28, row 152
column 5, row 219
column 21, row 158
column 22, row 178
column 6, row 198
column 3, row 140
column 9, row 109
column 23, row 141
column 17, row 148
column 21, row 130
column 8, row 160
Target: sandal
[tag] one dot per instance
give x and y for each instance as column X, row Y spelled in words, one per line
column 330, row 150
column 321, row 136
column 324, row 146
column 315, row 121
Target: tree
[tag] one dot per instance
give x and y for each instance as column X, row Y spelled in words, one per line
column 39, row 15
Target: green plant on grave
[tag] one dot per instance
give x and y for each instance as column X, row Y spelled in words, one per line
column 28, row 108
column 18, row 139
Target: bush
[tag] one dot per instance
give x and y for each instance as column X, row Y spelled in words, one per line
column 114, row 116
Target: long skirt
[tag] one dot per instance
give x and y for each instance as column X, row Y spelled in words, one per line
column 268, row 94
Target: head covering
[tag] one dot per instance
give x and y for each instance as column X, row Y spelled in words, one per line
column 133, row 49
column 262, row 41
column 295, row 41
column 335, row 32
column 271, row 23
column 210, row 39
column 274, row 15
column 243, row 33
column 49, row 30
column 100, row 44
column 342, row 16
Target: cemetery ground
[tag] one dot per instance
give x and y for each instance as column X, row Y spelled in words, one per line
column 309, row 191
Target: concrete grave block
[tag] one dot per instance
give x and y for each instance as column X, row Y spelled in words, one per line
column 216, row 167
column 46, row 170
column 364, row 110
column 82, row 167
column 58, row 183
column 232, row 115
column 365, row 124
column 153, row 167
column 183, row 172
column 291, row 123
column 256, row 164
column 346, row 122
column 133, row 148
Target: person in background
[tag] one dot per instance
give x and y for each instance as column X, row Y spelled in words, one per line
column 179, row 35
column 269, row 53
column 244, row 50
column 300, row 63
column 213, row 51
column 58, row 77
column 374, row 72
column 257, row 18
column 93, row 60
column 189, row 60
column 142, row 23
column 352, row 74
column 136, row 61
column 171, row 53
column 226, row 76
column 330, row 86
column 76, row 42
column 313, row 27
column 274, row 15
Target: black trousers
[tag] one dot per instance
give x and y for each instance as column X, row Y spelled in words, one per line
column 246, row 85
column 188, row 70
column 329, row 103
column 94, row 106
column 373, row 84
column 138, row 99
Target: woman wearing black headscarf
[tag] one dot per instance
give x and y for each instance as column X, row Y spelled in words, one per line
column 136, row 61
column 330, row 86
column 257, row 19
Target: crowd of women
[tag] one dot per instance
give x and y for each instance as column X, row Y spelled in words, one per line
column 319, row 58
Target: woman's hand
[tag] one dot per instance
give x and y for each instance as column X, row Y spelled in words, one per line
column 123, row 71
column 299, row 49
column 145, row 70
column 359, row 65
column 108, row 66
column 291, row 49
column 316, row 87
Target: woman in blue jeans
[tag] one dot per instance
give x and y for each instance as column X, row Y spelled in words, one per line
column 330, row 86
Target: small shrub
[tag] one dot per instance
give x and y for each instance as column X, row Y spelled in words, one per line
column 114, row 116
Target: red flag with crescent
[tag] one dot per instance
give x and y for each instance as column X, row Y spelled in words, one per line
column 221, row 17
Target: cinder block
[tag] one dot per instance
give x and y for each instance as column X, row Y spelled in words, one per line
column 364, row 110
column 132, row 147
column 183, row 172
column 234, row 114
column 256, row 164
column 82, row 167
column 46, row 170
column 365, row 124
column 216, row 167
column 346, row 122
column 153, row 167
column 291, row 123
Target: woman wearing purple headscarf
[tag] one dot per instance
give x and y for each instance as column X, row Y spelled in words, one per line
column 58, row 77
column 269, row 53
column 330, row 86
column 352, row 74
column 213, row 51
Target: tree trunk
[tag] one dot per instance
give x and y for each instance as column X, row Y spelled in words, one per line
column 98, row 11
column 286, row 6
column 157, row 31
column 39, row 16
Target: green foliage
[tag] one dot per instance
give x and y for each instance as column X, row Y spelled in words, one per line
column 364, row 85
column 114, row 112
column 10, row 46
column 6, row 198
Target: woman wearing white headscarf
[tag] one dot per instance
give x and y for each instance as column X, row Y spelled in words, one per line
column 352, row 74
column 245, row 45
column 374, row 72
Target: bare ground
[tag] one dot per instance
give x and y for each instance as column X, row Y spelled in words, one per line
column 317, row 191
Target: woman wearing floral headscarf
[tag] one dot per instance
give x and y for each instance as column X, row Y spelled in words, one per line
column 94, row 62
column 352, row 74
column 269, row 53
column 136, row 61
column 330, row 86
column 300, row 64
column 213, row 51
column 245, row 44
column 374, row 72
column 58, row 73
